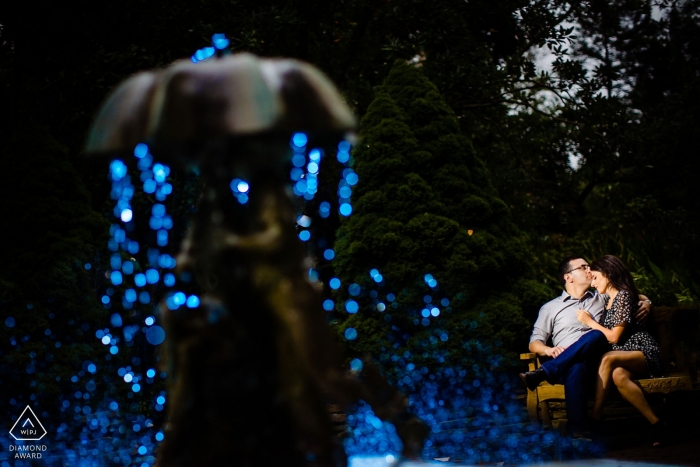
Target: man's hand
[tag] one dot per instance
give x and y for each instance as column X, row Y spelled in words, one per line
column 584, row 317
column 644, row 309
column 554, row 352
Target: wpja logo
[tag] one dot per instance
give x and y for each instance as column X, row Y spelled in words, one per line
column 28, row 428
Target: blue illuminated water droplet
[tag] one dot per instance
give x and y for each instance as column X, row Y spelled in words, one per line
column 425, row 312
column 151, row 373
column 130, row 295
column 444, row 302
column 343, row 156
column 352, row 179
column 351, row 306
column 116, row 320
column 304, row 235
column 304, row 221
column 193, row 301
column 344, row 146
column 312, row 167
column 428, row 277
column 128, row 267
column 378, row 278
column 152, row 276
column 328, row 305
column 243, row 186
column 296, row 174
column 127, row 215
column 158, row 210
column 155, row 335
column 354, row 290
column 350, row 334
column 315, row 155
column 435, row 311
column 136, row 388
column 334, row 283
column 133, row 247
column 220, row 41
column 298, row 160
column 329, row 254
column 169, row 280
column 179, row 298
column 117, row 170
column 142, row 449
column 345, row 209
column 140, row 150
column 92, row 368
column 105, row 299
column 140, row 280
column 144, row 297
column 299, row 140
column 381, row 306
column 10, row 322
column 356, row 364
column 149, row 186
column 301, row 185
column 114, row 350
column 150, row 320
column 116, row 277
column 160, row 436
column 390, row 297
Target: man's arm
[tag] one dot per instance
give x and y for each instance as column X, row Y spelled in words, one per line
column 543, row 350
column 642, row 313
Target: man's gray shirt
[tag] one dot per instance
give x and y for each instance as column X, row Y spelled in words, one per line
column 557, row 318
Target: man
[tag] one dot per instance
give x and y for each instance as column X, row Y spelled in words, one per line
column 576, row 348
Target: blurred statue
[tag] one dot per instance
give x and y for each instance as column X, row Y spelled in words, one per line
column 253, row 366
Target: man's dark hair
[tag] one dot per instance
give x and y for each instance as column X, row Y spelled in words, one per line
column 615, row 271
column 564, row 268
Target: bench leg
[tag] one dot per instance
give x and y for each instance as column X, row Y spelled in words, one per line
column 532, row 406
column 546, row 419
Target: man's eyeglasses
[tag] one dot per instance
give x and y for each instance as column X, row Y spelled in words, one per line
column 583, row 267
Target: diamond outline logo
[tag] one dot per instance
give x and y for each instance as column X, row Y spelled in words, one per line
column 30, row 422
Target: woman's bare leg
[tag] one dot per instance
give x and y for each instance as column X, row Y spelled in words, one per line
column 603, row 383
column 632, row 393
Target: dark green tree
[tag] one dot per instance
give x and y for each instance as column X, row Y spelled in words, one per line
column 425, row 205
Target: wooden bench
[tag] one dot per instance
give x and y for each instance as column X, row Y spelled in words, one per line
column 678, row 331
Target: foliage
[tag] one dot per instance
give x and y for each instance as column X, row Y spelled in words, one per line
column 425, row 205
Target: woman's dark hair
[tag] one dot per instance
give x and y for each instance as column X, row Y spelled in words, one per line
column 618, row 275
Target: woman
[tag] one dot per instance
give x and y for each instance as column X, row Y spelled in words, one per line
column 635, row 353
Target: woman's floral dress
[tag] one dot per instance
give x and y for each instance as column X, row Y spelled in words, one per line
column 634, row 337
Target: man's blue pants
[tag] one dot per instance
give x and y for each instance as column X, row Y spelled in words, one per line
column 575, row 369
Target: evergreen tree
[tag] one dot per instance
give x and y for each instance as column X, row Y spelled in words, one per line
column 425, row 205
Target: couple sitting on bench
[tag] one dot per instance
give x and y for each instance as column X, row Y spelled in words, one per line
column 596, row 335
